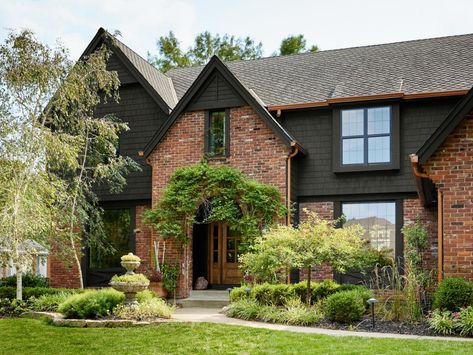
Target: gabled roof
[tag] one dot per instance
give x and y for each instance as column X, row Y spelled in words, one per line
column 247, row 95
column 158, row 85
column 446, row 128
column 435, row 65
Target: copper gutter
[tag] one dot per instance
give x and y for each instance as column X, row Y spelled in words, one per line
column 295, row 150
column 418, row 177
column 394, row 95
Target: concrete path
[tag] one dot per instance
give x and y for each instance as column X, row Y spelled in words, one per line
column 211, row 315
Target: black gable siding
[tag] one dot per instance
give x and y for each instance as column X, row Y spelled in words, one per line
column 215, row 93
column 124, row 74
column 313, row 129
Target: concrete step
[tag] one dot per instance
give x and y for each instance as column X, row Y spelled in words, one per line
column 205, row 299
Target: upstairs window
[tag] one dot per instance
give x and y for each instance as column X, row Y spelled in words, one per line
column 217, row 133
column 366, row 139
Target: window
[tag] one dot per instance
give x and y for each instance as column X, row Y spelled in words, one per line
column 378, row 220
column 217, row 137
column 118, row 230
column 366, row 138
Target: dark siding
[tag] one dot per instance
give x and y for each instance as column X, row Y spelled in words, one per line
column 124, row 74
column 144, row 117
column 313, row 129
column 215, row 93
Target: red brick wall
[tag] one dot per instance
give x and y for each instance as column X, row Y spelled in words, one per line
column 254, row 149
column 323, row 209
column 63, row 272
column 451, row 169
column 413, row 210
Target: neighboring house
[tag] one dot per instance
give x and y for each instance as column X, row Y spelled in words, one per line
column 332, row 130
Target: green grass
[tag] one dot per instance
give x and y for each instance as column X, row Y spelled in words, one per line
column 29, row 336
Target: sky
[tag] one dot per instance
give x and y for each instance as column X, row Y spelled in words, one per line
column 329, row 24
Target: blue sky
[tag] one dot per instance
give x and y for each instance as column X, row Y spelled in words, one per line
column 329, row 24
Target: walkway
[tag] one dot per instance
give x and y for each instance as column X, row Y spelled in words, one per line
column 211, row 315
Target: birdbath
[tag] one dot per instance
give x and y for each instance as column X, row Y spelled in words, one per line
column 130, row 283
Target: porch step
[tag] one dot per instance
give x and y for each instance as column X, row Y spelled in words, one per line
column 206, row 299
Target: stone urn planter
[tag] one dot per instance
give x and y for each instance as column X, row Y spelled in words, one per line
column 130, row 283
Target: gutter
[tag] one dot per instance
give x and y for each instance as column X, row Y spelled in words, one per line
column 419, row 175
column 295, row 149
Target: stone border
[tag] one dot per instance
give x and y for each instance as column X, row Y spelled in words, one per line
column 59, row 320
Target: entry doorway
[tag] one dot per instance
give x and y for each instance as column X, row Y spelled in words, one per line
column 223, row 255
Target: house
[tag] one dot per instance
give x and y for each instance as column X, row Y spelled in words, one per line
column 379, row 133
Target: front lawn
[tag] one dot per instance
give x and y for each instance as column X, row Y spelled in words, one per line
column 28, row 336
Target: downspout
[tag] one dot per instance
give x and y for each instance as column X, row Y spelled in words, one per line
column 419, row 175
column 293, row 153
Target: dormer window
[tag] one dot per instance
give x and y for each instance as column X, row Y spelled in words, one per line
column 366, row 138
column 217, row 133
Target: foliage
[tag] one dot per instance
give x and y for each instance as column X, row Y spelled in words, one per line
column 314, row 242
column 148, row 309
column 295, row 44
column 276, row 295
column 294, row 312
column 206, row 45
column 48, row 302
column 465, row 321
column 345, row 306
column 91, row 304
column 54, row 149
column 13, row 307
column 225, row 194
column 145, row 295
column 453, row 293
column 131, row 278
column 442, row 322
column 238, row 293
column 28, row 280
column 36, row 292
column 130, row 257
column 170, row 277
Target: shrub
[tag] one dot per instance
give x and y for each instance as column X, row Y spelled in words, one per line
column 270, row 314
column 297, row 313
column 245, row 309
column 49, row 302
column 237, row 294
column 12, row 308
column 453, row 293
column 28, row 280
column 147, row 310
column 131, row 278
column 465, row 321
column 345, row 306
column 145, row 295
column 91, row 304
column 442, row 322
column 277, row 295
column 324, row 289
column 28, row 292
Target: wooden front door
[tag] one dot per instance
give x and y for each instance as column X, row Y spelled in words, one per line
column 223, row 255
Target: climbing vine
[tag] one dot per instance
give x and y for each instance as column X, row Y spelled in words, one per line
column 202, row 194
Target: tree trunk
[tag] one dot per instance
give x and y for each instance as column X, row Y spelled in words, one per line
column 309, row 291
column 19, row 284
column 77, row 260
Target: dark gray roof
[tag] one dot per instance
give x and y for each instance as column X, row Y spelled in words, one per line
column 419, row 66
column 159, row 81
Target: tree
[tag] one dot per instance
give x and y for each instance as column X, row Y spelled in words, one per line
column 314, row 242
column 206, row 45
column 294, row 45
column 53, row 149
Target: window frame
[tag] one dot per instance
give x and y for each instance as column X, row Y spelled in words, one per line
column 208, row 115
column 399, row 219
column 337, row 140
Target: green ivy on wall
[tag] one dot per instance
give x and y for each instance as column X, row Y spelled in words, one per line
column 221, row 194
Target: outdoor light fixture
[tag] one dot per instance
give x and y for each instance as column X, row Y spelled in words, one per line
column 247, row 290
column 371, row 302
column 229, row 290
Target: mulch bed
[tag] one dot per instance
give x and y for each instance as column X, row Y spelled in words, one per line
column 381, row 326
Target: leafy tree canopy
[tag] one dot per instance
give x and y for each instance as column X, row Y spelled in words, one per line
column 294, row 45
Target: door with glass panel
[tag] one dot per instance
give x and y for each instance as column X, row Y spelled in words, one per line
column 223, row 255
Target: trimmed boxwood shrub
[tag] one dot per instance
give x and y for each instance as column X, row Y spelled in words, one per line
column 345, row 306
column 28, row 280
column 91, row 304
column 238, row 294
column 277, row 295
column 453, row 293
column 320, row 290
